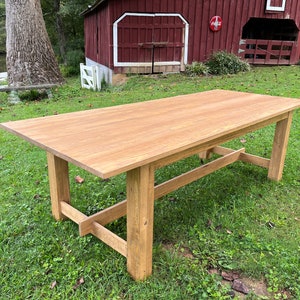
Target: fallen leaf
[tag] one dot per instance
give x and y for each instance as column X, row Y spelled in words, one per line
column 78, row 179
column 53, row 284
column 270, row 224
column 228, row 231
column 219, row 227
column 243, row 141
column 79, row 282
column 209, row 223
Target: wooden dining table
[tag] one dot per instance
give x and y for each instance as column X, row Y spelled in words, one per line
column 141, row 137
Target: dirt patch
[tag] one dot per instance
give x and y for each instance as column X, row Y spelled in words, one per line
column 241, row 286
column 119, row 79
column 258, row 287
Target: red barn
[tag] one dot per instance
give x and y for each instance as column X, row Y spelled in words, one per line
column 142, row 36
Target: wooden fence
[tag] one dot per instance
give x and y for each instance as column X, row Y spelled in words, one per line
column 268, row 52
column 91, row 77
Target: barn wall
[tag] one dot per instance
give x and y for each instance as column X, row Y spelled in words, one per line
column 104, row 36
column 202, row 41
column 90, row 36
column 97, row 33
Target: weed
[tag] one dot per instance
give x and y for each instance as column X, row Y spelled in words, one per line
column 219, row 63
column 223, row 63
column 196, row 69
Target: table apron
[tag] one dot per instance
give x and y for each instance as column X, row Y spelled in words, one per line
column 215, row 142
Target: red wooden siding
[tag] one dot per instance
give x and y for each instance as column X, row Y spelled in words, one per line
column 277, row 2
column 90, row 36
column 97, row 32
column 167, row 36
column 104, row 36
column 202, row 41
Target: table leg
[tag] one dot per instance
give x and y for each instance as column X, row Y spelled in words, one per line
column 59, row 184
column 279, row 148
column 140, row 206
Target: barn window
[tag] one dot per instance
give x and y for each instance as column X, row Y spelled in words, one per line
column 270, row 29
column 275, row 5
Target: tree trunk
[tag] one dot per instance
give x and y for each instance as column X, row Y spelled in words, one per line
column 30, row 58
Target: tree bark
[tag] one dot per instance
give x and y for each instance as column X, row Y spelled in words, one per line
column 30, row 58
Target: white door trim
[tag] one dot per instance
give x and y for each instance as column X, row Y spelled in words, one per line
column 129, row 64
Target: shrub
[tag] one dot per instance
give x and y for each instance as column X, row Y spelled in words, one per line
column 223, row 63
column 73, row 59
column 196, row 69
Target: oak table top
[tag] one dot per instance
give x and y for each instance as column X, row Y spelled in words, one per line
column 109, row 141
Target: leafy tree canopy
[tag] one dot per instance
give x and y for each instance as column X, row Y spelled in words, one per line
column 72, row 24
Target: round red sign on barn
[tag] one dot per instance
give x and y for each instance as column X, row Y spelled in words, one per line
column 215, row 23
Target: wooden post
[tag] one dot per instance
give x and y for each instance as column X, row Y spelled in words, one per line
column 59, row 184
column 140, row 207
column 205, row 154
column 279, row 148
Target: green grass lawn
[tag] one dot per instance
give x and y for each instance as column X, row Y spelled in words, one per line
column 234, row 220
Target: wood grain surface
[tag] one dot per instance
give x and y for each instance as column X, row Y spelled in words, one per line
column 109, row 141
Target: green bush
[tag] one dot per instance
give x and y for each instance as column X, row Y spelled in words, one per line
column 219, row 63
column 223, row 63
column 73, row 60
column 196, row 69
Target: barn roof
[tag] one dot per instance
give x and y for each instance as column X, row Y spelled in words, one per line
column 91, row 7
